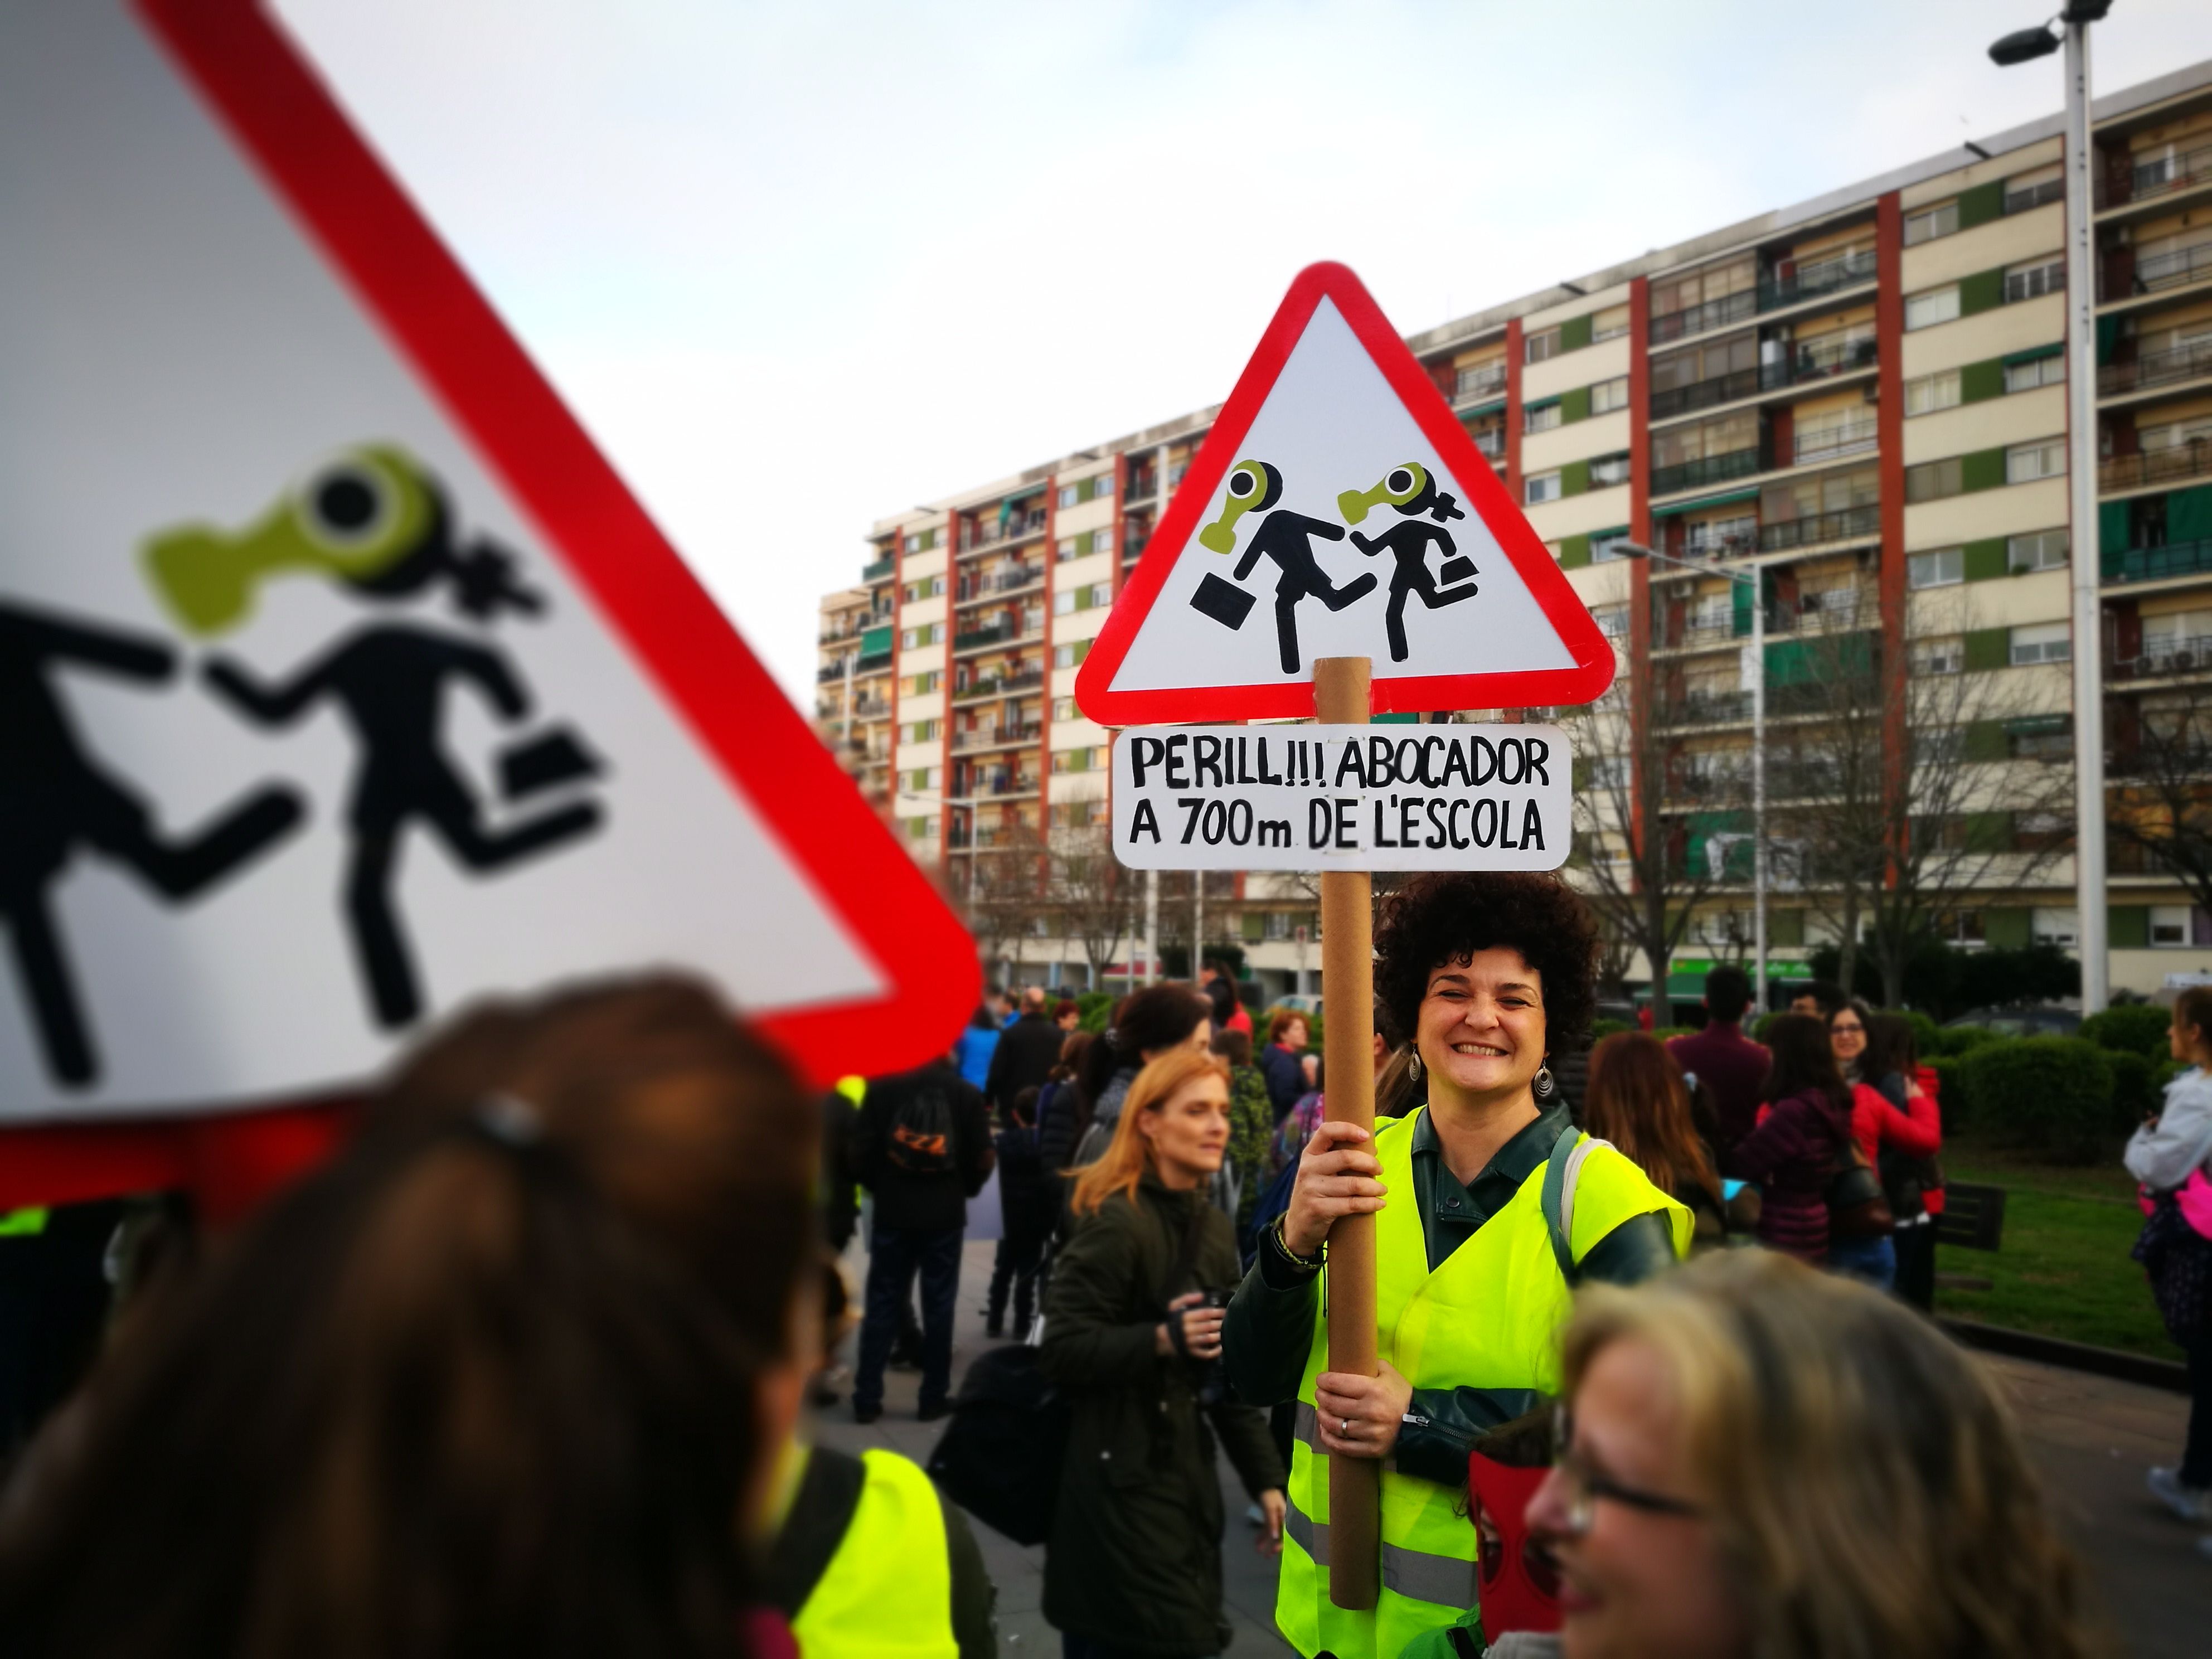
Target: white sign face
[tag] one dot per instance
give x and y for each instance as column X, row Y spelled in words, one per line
column 1342, row 798
column 1323, row 557
column 306, row 734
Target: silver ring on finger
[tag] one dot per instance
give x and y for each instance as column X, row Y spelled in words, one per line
column 1344, row 1428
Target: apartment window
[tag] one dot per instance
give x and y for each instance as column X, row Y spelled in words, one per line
column 1609, row 395
column 1605, row 546
column 1608, row 771
column 1606, row 471
column 1943, row 568
column 1540, row 348
column 1072, row 760
column 2035, row 279
column 1611, row 620
column 924, row 778
column 922, row 682
column 921, row 731
column 2174, row 926
column 1542, row 487
column 1609, row 324
column 1067, row 547
column 1063, row 709
column 2042, row 550
column 2042, row 642
column 1931, row 393
column 2025, row 463
column 911, row 638
column 2037, row 371
column 1541, row 418
column 2032, row 189
column 1066, row 656
column 2053, row 924
column 1063, row 603
column 920, row 828
column 1067, row 495
column 1932, row 481
column 1929, row 223
column 1943, row 656
column 1101, row 487
column 1937, row 305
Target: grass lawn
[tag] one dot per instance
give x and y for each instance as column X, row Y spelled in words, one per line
column 2063, row 1268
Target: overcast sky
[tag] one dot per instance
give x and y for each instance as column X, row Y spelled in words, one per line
column 800, row 266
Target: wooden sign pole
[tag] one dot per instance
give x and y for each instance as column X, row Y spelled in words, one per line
column 1347, row 977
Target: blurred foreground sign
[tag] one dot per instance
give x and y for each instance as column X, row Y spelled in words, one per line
column 1342, row 798
column 340, row 679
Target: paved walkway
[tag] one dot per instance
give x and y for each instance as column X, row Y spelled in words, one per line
column 2091, row 1438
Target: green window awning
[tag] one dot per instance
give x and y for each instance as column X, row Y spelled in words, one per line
column 2035, row 353
column 1671, row 510
column 2038, row 725
column 875, row 641
column 1494, row 406
column 1535, row 403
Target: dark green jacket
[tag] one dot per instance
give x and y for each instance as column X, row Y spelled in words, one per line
column 1134, row 1559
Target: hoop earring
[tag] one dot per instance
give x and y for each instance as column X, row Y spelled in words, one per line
column 1546, row 1085
column 1413, row 1065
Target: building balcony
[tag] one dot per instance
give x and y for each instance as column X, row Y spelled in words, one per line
column 998, row 785
column 2164, row 659
column 1847, row 524
column 1830, row 443
column 1833, row 610
column 983, row 639
column 999, row 685
column 2162, row 177
column 2188, row 361
column 1711, row 709
column 1480, row 384
column 1709, row 470
column 1004, row 582
column 2128, row 279
column 991, row 532
column 1144, row 484
column 1802, row 366
column 2155, row 466
column 2151, row 564
column 1810, row 282
column 878, row 663
column 996, row 737
column 1492, row 446
column 881, row 568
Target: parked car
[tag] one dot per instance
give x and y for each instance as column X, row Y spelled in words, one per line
column 2028, row 1019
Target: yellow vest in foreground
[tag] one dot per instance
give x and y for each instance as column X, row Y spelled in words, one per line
column 888, row 1590
column 1489, row 1317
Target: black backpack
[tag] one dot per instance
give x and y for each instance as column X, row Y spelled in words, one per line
column 920, row 1141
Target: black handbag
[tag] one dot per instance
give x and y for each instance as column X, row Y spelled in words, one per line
column 1858, row 1207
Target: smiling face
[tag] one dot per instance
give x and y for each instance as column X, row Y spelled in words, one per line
column 1847, row 1036
column 1632, row 1582
column 1188, row 1131
column 1481, row 1031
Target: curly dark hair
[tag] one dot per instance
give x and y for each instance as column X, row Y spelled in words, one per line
column 1448, row 915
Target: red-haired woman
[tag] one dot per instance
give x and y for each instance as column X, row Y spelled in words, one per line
column 1636, row 1099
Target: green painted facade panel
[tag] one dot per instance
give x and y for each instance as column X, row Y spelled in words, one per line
column 1574, row 477
column 1574, row 332
column 2009, row 929
column 1983, row 291
column 1987, row 647
column 2127, row 927
column 1982, row 469
column 1981, row 204
column 1575, row 405
column 1985, row 559
column 1978, row 382
column 1574, row 552
column 1785, row 929
column 1989, row 832
column 1985, row 740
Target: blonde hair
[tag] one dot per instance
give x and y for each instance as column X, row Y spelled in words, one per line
column 1865, row 1482
column 1129, row 1154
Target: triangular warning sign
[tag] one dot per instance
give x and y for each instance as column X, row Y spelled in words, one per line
column 1337, row 509
column 342, row 682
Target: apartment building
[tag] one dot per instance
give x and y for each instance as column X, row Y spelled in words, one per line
column 1860, row 399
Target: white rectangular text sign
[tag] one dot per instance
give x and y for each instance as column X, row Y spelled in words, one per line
column 1342, row 798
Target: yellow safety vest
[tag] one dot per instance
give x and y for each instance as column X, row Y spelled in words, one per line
column 888, row 1590
column 1489, row 1317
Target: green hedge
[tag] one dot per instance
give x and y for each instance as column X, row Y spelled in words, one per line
column 1927, row 1035
column 1096, row 1007
column 2048, row 1095
column 1602, row 1029
column 1953, row 1097
column 2135, row 1091
column 2131, row 1028
column 1964, row 1039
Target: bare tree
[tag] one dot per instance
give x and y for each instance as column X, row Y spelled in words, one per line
column 2161, row 800
column 1088, row 895
column 1007, row 899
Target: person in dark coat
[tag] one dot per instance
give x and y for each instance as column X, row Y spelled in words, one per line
column 921, row 1144
column 1028, row 1050
column 1132, row 1333
column 1029, row 1198
column 1792, row 1153
column 1722, row 1058
column 1279, row 1060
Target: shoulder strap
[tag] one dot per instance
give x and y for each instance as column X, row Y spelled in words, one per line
column 1561, row 1171
column 821, row 1512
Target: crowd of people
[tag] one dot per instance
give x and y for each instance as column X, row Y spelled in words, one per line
column 523, row 1369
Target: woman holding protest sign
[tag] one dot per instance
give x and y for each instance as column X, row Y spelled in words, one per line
column 1491, row 1205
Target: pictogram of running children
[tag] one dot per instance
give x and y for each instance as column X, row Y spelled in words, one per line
column 1287, row 537
column 376, row 524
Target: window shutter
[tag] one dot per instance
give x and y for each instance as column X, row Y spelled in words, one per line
column 1978, row 382
column 1575, row 405
column 1574, row 552
column 1984, row 469
column 2114, row 530
column 1574, row 335
column 2127, row 927
column 1987, row 647
column 1988, row 558
column 1981, row 204
column 1983, row 291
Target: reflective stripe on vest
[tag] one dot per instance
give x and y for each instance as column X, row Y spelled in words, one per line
column 888, row 1590
column 1488, row 1317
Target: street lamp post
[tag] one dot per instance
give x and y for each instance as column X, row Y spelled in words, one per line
column 2090, row 922
column 1751, row 579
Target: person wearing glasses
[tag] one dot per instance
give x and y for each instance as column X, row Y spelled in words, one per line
column 1757, row 1459
column 1478, row 1247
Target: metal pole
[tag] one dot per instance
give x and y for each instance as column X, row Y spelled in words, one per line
column 2081, row 479
column 1151, row 923
column 1347, row 978
column 1197, row 921
column 1758, row 781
